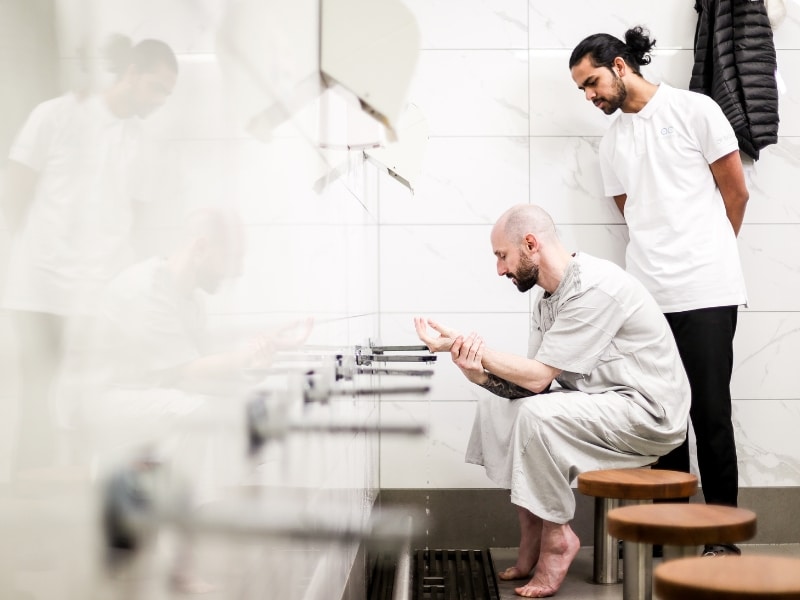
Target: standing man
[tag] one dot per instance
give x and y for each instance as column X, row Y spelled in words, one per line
column 622, row 400
column 73, row 188
column 671, row 162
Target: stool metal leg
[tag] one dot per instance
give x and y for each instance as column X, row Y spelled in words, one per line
column 637, row 571
column 673, row 552
column 606, row 558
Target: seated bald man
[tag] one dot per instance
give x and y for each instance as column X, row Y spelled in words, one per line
column 621, row 399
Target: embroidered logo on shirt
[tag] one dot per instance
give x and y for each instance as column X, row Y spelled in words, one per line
column 667, row 130
column 725, row 138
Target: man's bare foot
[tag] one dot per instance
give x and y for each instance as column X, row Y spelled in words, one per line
column 512, row 573
column 559, row 547
column 185, row 583
column 530, row 540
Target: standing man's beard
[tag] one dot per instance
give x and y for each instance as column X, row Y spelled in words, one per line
column 618, row 99
column 527, row 276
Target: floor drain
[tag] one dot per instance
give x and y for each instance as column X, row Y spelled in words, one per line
column 453, row 575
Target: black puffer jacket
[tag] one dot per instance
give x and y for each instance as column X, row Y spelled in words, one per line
column 734, row 63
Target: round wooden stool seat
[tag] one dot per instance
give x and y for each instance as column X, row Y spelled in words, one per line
column 637, row 484
column 610, row 488
column 682, row 524
column 749, row 577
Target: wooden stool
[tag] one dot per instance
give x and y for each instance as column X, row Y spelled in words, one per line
column 680, row 528
column 729, row 578
column 610, row 487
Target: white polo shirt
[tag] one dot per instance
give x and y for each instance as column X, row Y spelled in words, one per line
column 76, row 236
column 682, row 246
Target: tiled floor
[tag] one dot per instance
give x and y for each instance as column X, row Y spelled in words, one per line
column 578, row 585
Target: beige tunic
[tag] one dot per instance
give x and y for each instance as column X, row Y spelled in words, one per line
column 623, row 398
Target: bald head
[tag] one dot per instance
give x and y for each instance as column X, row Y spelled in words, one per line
column 527, row 248
column 522, row 219
column 214, row 238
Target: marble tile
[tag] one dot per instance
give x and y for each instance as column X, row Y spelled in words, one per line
column 5, row 251
column 200, row 107
column 203, row 172
column 786, row 33
column 8, row 434
column 765, row 442
column 436, row 461
column 362, row 275
column 789, row 101
column 269, row 182
column 276, row 184
column 771, row 272
column 464, row 180
column 9, row 369
column 553, row 25
column 188, row 27
column 771, row 181
column 566, row 180
column 557, row 106
column 471, row 24
column 602, row 241
column 472, row 93
column 765, row 350
column 673, row 67
column 363, row 181
column 284, row 271
column 442, row 268
column 22, row 29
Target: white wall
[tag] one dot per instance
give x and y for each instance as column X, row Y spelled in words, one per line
column 507, row 126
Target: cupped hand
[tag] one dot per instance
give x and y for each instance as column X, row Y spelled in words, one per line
column 441, row 343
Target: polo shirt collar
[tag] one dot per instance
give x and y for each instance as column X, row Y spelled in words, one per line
column 658, row 100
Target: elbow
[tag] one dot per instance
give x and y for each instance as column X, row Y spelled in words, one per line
column 538, row 386
column 742, row 197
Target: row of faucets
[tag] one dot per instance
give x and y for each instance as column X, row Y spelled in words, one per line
column 136, row 505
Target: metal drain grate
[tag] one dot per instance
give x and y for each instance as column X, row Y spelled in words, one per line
column 453, row 575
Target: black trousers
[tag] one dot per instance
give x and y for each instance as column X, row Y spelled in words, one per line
column 705, row 343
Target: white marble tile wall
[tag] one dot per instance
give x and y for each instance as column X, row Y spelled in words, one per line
column 503, row 131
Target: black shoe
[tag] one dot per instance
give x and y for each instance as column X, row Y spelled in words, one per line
column 722, row 550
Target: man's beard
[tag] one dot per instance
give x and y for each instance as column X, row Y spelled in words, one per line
column 527, row 274
column 618, row 99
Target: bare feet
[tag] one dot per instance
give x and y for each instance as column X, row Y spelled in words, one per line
column 184, row 583
column 512, row 573
column 530, row 538
column 559, row 547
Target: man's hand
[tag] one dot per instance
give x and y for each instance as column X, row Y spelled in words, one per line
column 259, row 352
column 292, row 335
column 467, row 354
column 442, row 343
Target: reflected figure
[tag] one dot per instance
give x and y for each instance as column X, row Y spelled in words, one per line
column 158, row 378
column 72, row 190
column 153, row 315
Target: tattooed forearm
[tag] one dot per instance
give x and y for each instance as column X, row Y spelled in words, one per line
column 505, row 389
